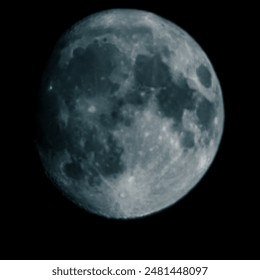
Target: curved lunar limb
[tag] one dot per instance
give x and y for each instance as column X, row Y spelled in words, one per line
column 130, row 114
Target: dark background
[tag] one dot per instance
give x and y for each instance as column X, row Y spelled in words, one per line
column 216, row 220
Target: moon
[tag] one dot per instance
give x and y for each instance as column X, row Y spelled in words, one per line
column 130, row 114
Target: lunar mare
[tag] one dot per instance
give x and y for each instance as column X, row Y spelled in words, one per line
column 130, row 114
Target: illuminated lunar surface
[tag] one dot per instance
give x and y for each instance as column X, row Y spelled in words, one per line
column 130, row 114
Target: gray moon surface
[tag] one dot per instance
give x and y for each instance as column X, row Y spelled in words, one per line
column 130, row 114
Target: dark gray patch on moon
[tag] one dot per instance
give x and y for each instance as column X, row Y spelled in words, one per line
column 108, row 157
column 204, row 75
column 103, row 152
column 91, row 142
column 151, row 71
column 176, row 97
column 206, row 112
column 187, row 139
column 74, row 170
column 47, row 116
column 134, row 97
column 88, row 66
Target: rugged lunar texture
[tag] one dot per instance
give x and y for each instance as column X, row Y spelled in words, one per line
column 131, row 114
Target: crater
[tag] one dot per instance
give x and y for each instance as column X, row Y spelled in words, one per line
column 204, row 76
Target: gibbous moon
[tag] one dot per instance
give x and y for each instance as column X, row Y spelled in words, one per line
column 130, row 114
